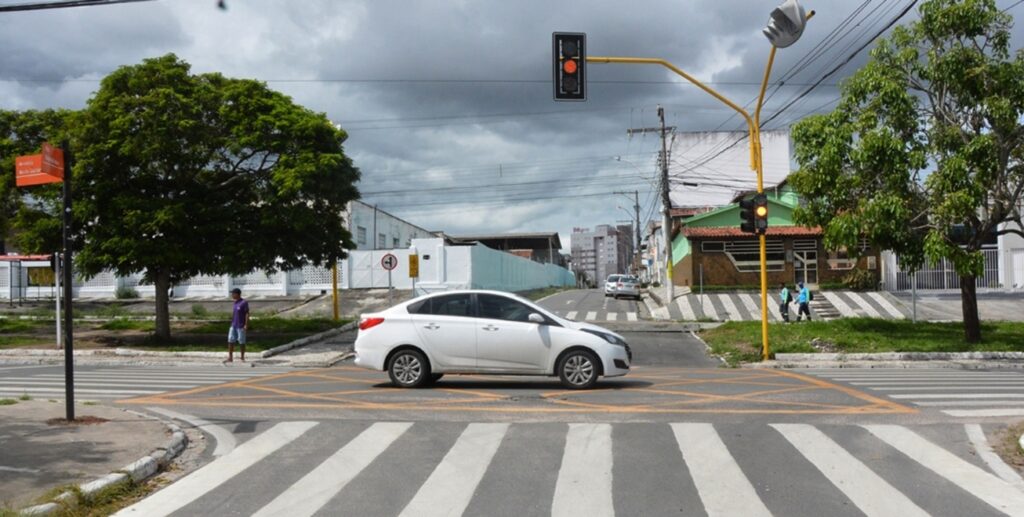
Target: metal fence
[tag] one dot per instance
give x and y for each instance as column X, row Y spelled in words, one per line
column 938, row 276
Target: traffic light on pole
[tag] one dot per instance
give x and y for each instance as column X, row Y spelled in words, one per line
column 761, row 214
column 747, row 224
column 569, row 61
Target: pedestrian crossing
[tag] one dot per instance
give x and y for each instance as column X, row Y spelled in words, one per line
column 118, row 382
column 959, row 393
column 599, row 315
column 747, row 306
column 304, row 468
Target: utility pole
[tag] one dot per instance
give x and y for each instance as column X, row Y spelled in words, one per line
column 666, row 201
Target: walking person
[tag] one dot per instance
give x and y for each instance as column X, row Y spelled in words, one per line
column 785, row 298
column 239, row 325
column 803, row 299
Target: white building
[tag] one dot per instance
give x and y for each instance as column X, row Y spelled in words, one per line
column 1011, row 259
column 375, row 229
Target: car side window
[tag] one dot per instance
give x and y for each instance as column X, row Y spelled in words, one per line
column 451, row 305
column 500, row 308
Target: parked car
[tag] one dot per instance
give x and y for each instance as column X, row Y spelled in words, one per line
column 627, row 286
column 485, row 332
column 611, row 284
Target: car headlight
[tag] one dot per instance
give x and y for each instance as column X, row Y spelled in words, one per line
column 607, row 337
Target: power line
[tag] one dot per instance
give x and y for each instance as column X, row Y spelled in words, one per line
column 37, row 6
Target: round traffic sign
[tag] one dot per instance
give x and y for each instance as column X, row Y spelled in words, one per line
column 389, row 262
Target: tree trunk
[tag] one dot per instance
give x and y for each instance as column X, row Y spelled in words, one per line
column 969, row 304
column 162, row 281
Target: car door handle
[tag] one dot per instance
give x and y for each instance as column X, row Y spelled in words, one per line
column 490, row 328
column 432, row 326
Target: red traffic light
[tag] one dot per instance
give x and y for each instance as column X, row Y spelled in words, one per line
column 570, row 66
column 569, row 60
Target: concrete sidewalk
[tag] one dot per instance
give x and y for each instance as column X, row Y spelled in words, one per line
column 37, row 454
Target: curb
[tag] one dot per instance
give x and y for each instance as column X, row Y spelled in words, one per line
column 308, row 339
column 657, row 312
column 139, row 470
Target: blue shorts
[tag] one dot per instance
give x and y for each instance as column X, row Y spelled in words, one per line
column 236, row 335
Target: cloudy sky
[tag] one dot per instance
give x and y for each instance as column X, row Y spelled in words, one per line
column 448, row 103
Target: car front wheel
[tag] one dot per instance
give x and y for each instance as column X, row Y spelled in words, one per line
column 409, row 369
column 578, row 370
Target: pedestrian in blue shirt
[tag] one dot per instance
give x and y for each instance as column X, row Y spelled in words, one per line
column 803, row 300
column 784, row 300
column 239, row 325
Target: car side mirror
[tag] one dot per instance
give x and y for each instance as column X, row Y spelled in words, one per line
column 536, row 318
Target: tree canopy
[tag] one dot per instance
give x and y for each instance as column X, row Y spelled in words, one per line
column 923, row 154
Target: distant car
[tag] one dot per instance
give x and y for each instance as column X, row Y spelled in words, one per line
column 627, row 286
column 485, row 332
column 611, row 284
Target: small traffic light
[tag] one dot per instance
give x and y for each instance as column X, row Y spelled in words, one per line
column 761, row 213
column 570, row 70
column 747, row 224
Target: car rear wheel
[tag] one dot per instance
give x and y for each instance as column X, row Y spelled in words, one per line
column 409, row 369
column 578, row 370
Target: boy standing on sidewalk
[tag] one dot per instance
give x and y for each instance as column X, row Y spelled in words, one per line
column 239, row 325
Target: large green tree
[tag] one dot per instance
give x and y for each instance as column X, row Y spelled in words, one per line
column 923, row 154
column 179, row 174
column 27, row 215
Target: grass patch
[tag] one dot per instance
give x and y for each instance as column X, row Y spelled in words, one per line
column 273, row 325
column 24, row 397
column 122, row 324
column 1008, row 447
column 741, row 341
column 104, row 502
column 11, row 326
column 20, row 341
column 8, row 402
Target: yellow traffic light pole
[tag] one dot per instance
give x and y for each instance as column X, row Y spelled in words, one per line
column 753, row 126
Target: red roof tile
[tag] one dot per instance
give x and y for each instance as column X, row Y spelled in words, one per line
column 704, row 232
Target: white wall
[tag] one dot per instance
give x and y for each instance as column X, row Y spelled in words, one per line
column 376, row 222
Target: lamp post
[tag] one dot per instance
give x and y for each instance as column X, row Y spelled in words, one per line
column 785, row 26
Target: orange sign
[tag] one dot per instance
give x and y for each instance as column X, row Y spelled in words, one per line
column 40, row 169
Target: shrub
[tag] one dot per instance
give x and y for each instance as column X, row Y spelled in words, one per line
column 199, row 311
column 126, row 293
column 860, row 280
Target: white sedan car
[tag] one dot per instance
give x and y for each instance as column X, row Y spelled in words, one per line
column 418, row 341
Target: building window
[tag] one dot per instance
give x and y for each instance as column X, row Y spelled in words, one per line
column 394, row 242
column 361, row 235
column 841, row 260
column 711, row 246
column 382, row 240
column 746, row 255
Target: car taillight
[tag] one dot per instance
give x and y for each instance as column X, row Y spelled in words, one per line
column 369, row 323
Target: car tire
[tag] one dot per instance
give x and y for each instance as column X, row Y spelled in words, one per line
column 578, row 370
column 409, row 369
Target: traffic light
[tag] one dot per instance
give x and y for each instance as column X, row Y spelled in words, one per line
column 570, row 66
column 761, row 214
column 754, row 214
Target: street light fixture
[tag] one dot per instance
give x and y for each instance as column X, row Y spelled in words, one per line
column 785, row 26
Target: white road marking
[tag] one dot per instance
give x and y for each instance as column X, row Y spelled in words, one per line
column 730, row 308
column 195, row 485
column 571, row 315
column 957, row 395
column 89, row 391
column 723, row 488
column 960, row 387
column 867, row 490
column 750, row 303
column 631, row 316
column 683, row 302
column 591, row 316
column 863, row 304
column 962, row 382
column 890, row 308
column 584, row 485
column 993, row 490
column 708, row 308
column 97, row 384
column 450, row 487
column 839, row 304
column 568, row 302
column 225, row 440
column 309, row 494
column 611, row 316
column 970, row 403
column 975, row 413
column 18, row 469
column 994, row 462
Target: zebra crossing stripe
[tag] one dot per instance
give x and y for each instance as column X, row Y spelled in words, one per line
column 631, row 316
column 198, row 483
column 450, row 487
column 683, row 302
column 839, row 304
column 867, row 490
column 753, row 308
column 730, row 308
column 316, row 488
column 723, row 488
column 584, row 485
column 611, row 316
column 708, row 308
column 892, row 310
column 591, row 316
column 571, row 315
column 989, row 488
column 863, row 304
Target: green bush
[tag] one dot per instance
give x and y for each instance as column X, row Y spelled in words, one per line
column 125, row 292
column 199, row 311
column 860, row 280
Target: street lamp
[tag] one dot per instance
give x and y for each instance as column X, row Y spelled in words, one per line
column 785, row 26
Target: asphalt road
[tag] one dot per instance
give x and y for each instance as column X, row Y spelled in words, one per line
column 593, row 305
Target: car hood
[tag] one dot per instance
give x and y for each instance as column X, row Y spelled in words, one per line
column 582, row 325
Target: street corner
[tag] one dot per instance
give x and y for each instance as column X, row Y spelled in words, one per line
column 647, row 390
